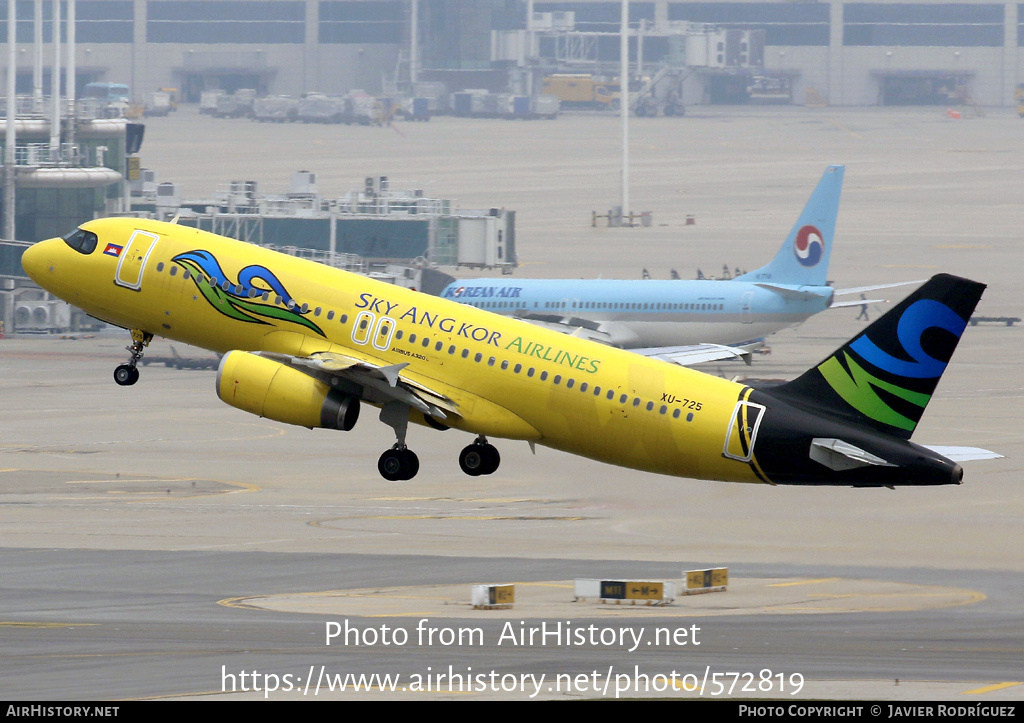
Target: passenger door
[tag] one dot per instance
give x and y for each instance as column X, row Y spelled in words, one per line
column 133, row 260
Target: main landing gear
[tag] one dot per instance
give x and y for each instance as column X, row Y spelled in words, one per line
column 398, row 463
column 401, row 463
column 127, row 374
column 479, row 458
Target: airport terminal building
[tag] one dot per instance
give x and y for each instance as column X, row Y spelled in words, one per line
column 838, row 52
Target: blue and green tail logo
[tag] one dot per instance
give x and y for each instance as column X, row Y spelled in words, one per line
column 239, row 300
column 865, row 391
column 887, row 375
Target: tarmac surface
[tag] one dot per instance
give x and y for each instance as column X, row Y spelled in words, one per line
column 157, row 543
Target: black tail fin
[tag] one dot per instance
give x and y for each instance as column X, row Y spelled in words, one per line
column 884, row 377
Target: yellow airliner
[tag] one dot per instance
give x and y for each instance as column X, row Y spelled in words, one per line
column 306, row 344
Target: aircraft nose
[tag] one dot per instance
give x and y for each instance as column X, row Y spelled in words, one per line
column 35, row 260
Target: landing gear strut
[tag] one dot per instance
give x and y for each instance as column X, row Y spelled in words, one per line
column 479, row 458
column 127, row 374
column 399, row 462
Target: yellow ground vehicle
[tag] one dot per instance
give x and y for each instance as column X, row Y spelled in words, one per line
column 582, row 90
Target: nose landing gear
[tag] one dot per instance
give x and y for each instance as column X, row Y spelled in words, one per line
column 127, row 374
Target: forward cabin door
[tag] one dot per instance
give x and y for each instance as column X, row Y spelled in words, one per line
column 133, row 260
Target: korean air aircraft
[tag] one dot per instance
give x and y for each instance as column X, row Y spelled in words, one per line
column 309, row 345
column 693, row 319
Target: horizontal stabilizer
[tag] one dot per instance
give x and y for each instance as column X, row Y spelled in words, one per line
column 876, row 287
column 788, row 292
column 963, row 454
column 839, row 455
column 859, row 302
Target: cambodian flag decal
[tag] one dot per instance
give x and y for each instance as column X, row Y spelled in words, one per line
column 113, row 250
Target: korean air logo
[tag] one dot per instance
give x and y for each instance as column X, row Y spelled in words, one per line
column 458, row 292
column 809, row 246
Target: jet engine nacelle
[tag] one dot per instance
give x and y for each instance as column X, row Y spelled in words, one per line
column 276, row 391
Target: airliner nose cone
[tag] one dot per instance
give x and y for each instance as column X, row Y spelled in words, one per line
column 35, row 260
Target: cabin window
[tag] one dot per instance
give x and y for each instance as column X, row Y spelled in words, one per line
column 398, row 334
column 636, row 401
column 316, row 311
column 160, row 267
column 663, row 409
column 611, row 394
column 465, row 353
column 583, row 387
column 451, row 349
column 478, row 357
column 557, row 379
column 622, row 399
column 84, row 242
column 518, row 368
column 330, row 314
column 543, row 376
column 412, row 338
column 569, row 383
column 490, row 362
column 529, row 372
column 650, row 406
column 174, row 271
column 675, row 414
column 186, row 274
column 344, row 318
column 426, row 342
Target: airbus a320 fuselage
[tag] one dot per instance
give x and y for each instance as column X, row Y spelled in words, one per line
column 310, row 345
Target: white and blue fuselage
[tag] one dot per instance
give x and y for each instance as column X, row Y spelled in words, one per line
column 631, row 314
column 647, row 313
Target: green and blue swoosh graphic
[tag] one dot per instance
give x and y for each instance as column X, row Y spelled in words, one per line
column 846, row 374
column 238, row 301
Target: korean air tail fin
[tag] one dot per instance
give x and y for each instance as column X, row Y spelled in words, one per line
column 884, row 377
column 803, row 258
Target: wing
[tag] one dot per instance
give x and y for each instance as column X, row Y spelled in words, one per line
column 572, row 325
column 380, row 383
column 697, row 353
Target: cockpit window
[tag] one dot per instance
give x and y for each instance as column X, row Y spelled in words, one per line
column 84, row 242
